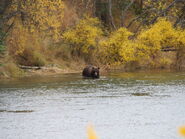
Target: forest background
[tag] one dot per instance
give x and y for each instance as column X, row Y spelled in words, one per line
column 69, row 34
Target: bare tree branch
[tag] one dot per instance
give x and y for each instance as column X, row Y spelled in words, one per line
column 7, row 17
column 166, row 10
column 140, row 16
column 123, row 12
column 87, row 5
column 153, row 9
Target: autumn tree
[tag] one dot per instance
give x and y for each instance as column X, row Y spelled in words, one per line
column 30, row 24
column 42, row 15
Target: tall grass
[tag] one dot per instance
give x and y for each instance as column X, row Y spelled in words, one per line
column 11, row 70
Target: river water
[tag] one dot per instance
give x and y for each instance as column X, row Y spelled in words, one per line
column 137, row 105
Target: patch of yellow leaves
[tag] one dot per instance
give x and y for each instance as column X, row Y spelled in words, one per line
column 41, row 15
column 84, row 35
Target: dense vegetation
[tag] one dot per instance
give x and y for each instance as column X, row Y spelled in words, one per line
column 133, row 34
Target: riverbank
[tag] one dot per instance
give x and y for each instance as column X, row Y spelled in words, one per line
column 11, row 70
column 14, row 71
column 47, row 71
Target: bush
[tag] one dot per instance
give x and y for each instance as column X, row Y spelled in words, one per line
column 83, row 38
column 61, row 51
column 36, row 59
column 118, row 48
column 160, row 35
column 25, row 47
column 146, row 48
column 31, row 57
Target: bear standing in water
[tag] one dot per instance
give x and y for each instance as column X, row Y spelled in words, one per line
column 91, row 71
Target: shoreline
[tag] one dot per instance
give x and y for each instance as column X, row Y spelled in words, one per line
column 42, row 71
column 54, row 70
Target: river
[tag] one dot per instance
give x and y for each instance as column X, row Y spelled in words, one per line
column 133, row 105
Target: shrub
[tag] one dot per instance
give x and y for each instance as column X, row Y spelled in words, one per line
column 160, row 35
column 118, row 48
column 146, row 48
column 61, row 51
column 84, row 36
column 25, row 47
column 31, row 57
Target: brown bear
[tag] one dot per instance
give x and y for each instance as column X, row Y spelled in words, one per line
column 91, row 71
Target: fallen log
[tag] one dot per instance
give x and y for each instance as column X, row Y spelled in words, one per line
column 30, row 67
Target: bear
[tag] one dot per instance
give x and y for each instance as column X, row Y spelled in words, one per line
column 91, row 71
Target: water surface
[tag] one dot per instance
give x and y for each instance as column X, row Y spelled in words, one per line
column 120, row 106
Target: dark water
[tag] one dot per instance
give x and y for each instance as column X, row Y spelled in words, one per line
column 143, row 105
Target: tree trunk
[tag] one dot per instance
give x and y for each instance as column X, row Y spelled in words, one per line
column 111, row 19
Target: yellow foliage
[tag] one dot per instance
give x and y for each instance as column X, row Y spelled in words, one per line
column 160, row 35
column 127, row 52
column 38, row 23
column 118, row 47
column 43, row 18
column 41, row 15
column 149, row 40
column 91, row 133
column 84, row 36
column 17, row 39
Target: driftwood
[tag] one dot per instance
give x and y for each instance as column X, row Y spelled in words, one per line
column 30, row 67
